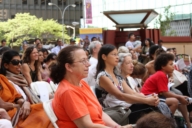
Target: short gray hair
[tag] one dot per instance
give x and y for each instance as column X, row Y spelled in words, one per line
column 93, row 45
column 123, row 49
column 121, row 60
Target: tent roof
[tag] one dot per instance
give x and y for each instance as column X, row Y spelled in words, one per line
column 131, row 18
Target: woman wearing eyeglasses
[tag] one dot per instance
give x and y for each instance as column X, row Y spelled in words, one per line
column 74, row 103
column 30, row 67
column 14, row 94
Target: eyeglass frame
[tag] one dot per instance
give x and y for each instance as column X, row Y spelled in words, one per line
column 83, row 61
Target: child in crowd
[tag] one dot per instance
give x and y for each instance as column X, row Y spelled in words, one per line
column 158, row 82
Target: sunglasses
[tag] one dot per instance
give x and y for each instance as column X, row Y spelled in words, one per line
column 16, row 62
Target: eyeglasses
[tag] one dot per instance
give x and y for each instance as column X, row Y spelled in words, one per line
column 83, row 61
column 114, row 54
column 16, row 62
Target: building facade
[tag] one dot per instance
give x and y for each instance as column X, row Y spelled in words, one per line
column 181, row 8
column 41, row 9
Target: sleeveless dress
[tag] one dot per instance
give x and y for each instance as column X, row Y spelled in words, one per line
column 33, row 75
column 106, row 99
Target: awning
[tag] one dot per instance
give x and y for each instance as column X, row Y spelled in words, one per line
column 131, row 18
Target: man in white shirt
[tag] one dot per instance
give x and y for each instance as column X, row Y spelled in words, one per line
column 94, row 48
column 57, row 48
column 131, row 44
column 161, row 45
column 131, row 41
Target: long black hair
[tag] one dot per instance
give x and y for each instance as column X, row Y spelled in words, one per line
column 105, row 49
column 150, row 42
column 51, row 56
column 7, row 57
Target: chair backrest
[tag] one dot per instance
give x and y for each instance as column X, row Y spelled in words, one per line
column 53, row 86
column 43, row 89
column 50, row 113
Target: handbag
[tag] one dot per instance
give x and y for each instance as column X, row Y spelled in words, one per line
column 178, row 78
column 119, row 114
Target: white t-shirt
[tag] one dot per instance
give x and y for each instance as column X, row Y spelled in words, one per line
column 129, row 44
column 93, row 60
column 91, row 74
column 164, row 48
column 137, row 43
column 56, row 49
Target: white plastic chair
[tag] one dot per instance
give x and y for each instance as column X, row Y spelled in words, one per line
column 50, row 113
column 53, row 86
column 43, row 89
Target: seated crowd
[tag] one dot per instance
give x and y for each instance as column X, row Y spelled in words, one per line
column 88, row 84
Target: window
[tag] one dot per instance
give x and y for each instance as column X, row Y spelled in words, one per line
column 24, row 1
column 43, row 2
column 12, row 16
column 36, row 2
column 60, row 2
column 78, row 3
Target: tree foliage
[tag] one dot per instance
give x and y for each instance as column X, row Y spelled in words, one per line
column 164, row 20
column 25, row 26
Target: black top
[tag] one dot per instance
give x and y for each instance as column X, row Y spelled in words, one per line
column 33, row 75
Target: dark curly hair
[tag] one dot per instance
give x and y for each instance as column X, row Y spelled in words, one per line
column 58, row 70
column 162, row 60
column 152, row 50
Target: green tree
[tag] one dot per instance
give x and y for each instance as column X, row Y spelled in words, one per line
column 25, row 26
column 164, row 20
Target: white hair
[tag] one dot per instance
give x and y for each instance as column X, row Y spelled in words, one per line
column 121, row 60
column 123, row 49
column 93, row 45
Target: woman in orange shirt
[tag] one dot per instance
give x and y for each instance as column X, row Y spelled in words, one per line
column 74, row 103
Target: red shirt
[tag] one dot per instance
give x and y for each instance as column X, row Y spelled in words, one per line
column 72, row 102
column 156, row 83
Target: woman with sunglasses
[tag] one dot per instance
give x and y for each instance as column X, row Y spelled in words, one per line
column 14, row 99
column 30, row 67
column 11, row 68
column 112, row 88
column 74, row 103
